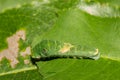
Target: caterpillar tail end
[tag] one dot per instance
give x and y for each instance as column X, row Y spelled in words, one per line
column 96, row 55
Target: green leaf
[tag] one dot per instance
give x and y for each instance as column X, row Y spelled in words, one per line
column 78, row 27
column 102, row 33
column 22, row 75
column 5, row 4
column 18, row 28
column 111, row 2
column 92, row 23
column 69, row 69
column 100, row 9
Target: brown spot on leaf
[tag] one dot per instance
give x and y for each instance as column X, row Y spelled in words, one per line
column 26, row 61
column 26, row 52
column 11, row 53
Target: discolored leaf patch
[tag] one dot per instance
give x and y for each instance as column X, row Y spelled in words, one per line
column 11, row 53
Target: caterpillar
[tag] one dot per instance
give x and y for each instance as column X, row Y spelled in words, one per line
column 49, row 49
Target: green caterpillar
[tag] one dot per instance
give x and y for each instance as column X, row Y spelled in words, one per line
column 48, row 49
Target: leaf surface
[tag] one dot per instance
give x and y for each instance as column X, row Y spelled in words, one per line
column 89, row 23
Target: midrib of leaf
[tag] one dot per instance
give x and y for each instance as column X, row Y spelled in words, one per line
column 110, row 58
column 18, row 71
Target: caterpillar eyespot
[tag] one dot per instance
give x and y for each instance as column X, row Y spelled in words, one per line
column 48, row 49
